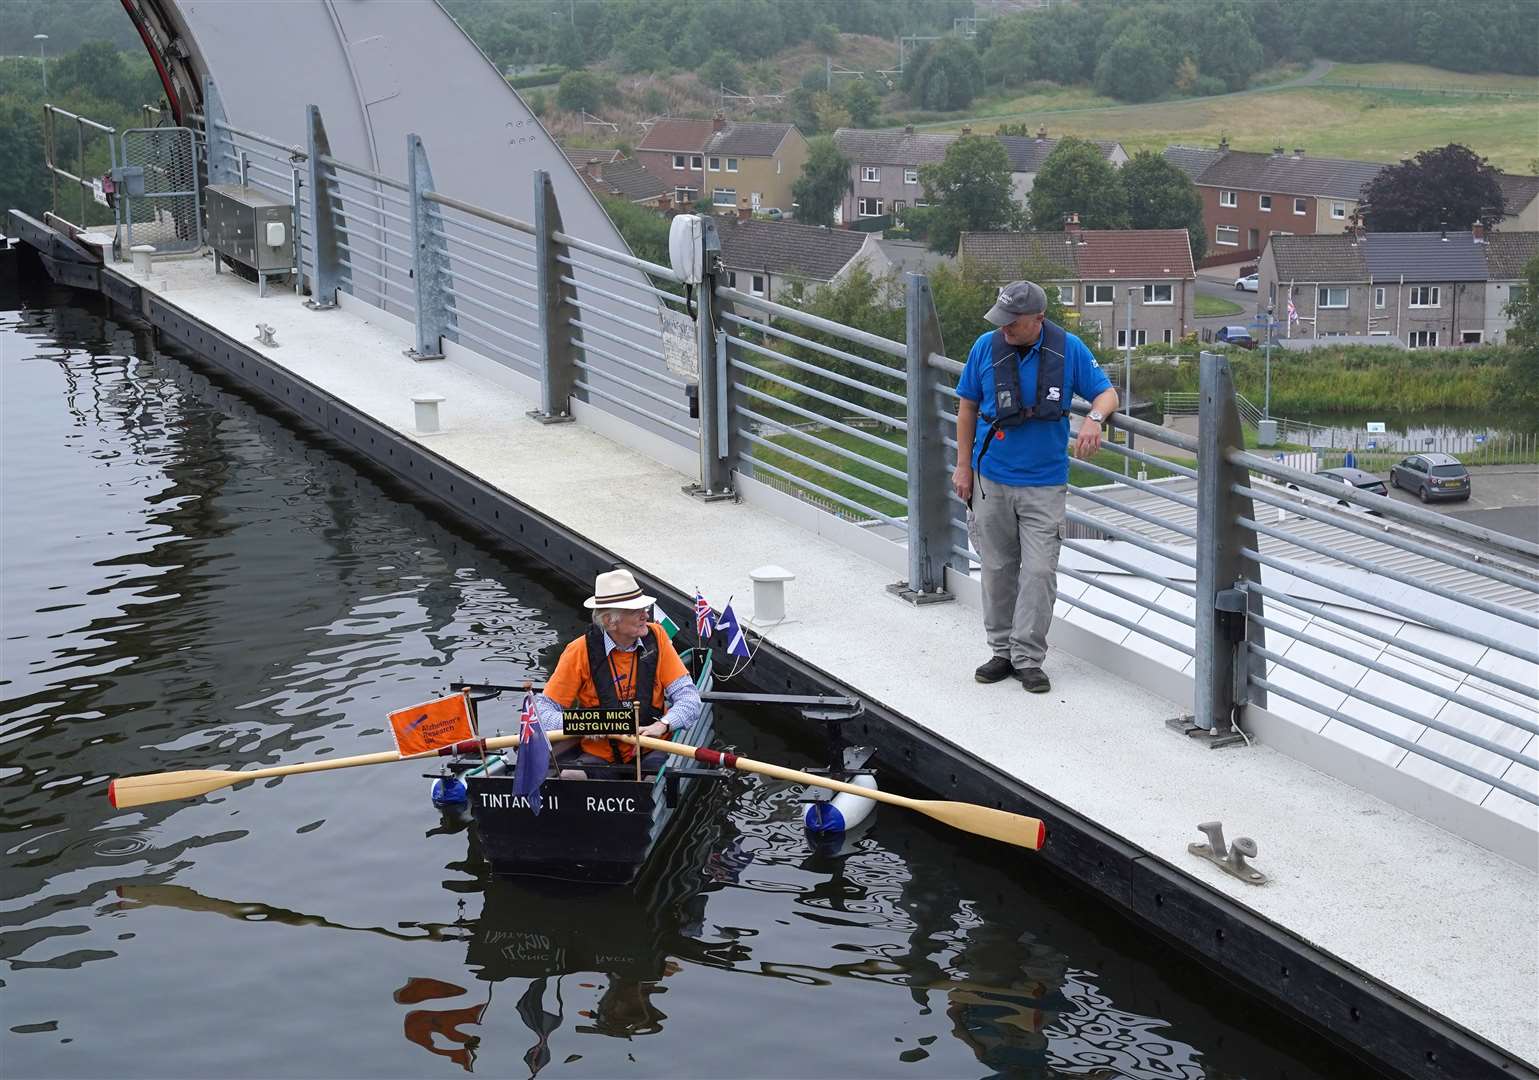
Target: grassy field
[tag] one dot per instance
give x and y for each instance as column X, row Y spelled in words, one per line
column 1213, row 307
column 1370, row 125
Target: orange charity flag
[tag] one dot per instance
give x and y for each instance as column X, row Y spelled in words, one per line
column 431, row 725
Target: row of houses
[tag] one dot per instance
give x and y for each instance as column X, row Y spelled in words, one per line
column 1423, row 290
column 1248, row 198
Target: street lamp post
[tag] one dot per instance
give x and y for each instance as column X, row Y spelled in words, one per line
column 1266, row 401
column 42, row 55
column 1127, row 372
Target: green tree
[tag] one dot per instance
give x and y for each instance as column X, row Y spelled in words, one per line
column 1140, row 65
column 1450, row 186
column 824, row 182
column 1523, row 310
column 582, row 91
column 23, row 180
column 862, row 103
column 721, row 69
column 969, row 191
column 944, row 77
column 644, row 231
column 1229, row 49
column 98, row 70
column 1077, row 178
column 1161, row 196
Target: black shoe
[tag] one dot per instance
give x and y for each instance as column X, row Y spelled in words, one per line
column 1034, row 679
column 997, row 668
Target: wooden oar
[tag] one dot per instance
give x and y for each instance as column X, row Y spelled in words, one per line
column 128, row 791
column 1017, row 829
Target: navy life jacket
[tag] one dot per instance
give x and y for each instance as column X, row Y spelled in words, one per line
column 1050, row 404
column 644, row 680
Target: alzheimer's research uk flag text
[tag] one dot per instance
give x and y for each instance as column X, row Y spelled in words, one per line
column 431, row 725
column 737, row 645
column 533, row 756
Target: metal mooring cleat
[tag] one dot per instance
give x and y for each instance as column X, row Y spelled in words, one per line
column 1230, row 860
column 265, row 336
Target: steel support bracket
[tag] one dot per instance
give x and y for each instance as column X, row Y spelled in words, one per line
column 327, row 224
column 557, row 372
column 429, row 258
column 929, row 498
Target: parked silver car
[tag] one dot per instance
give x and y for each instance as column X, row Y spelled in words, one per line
column 1432, row 477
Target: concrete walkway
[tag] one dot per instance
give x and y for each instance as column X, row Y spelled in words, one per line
column 1446, row 923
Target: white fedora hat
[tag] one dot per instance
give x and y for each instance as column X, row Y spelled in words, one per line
column 618, row 589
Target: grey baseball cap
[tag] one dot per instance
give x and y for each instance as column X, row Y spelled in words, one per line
column 1016, row 299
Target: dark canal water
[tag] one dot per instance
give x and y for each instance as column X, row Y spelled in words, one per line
column 188, row 582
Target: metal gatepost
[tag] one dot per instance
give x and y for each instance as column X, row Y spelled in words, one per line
column 929, row 503
column 326, row 221
column 556, row 330
column 1222, row 684
column 429, row 258
column 157, row 178
column 715, row 421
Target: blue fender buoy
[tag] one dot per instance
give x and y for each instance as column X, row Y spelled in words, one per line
column 844, row 811
column 449, row 793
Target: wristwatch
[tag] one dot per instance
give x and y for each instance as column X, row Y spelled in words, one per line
column 1097, row 415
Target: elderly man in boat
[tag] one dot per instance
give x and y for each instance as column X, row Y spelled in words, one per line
column 623, row 657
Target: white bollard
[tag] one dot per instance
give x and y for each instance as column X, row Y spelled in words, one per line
column 142, row 254
column 769, row 593
column 427, row 413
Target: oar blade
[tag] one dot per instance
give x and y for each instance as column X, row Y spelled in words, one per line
column 1017, row 829
column 127, row 791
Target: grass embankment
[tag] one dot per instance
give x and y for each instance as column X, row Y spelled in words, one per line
column 1328, row 121
column 1352, row 379
column 1215, row 307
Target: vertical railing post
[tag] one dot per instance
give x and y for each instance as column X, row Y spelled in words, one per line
column 222, row 155
column 429, row 258
column 929, row 505
column 327, row 225
column 1223, row 660
column 557, row 352
column 711, row 346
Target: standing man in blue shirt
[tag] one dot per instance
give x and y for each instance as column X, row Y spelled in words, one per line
column 1014, row 473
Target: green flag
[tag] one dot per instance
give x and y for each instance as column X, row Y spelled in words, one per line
column 669, row 626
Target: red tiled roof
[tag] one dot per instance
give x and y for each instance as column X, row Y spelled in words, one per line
column 1135, row 253
column 679, row 136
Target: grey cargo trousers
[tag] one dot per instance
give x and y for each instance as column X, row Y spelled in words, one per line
column 1019, row 530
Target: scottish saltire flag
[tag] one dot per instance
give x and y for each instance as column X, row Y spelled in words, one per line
column 727, row 625
column 670, row 627
column 704, row 622
column 533, row 755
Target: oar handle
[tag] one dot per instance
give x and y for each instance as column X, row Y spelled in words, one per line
column 724, row 759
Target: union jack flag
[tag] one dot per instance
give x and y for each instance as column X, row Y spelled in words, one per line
column 705, row 625
column 1293, row 312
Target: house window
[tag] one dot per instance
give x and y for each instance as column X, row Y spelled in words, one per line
column 683, row 196
column 1338, row 210
column 678, row 161
column 1378, row 297
column 716, row 164
column 1422, row 339
column 1170, row 336
column 911, row 176
column 921, row 202
column 1158, row 294
column 1425, row 296
column 758, row 285
column 694, row 162
column 1227, row 235
column 1517, row 294
column 1140, row 337
column 724, row 196
column 1300, row 206
column 1228, row 198
column 870, row 206
column 732, row 164
column 1098, row 294
column 1332, row 296
column 1066, row 295
column 1471, row 337
column 1265, row 203
column 870, row 174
